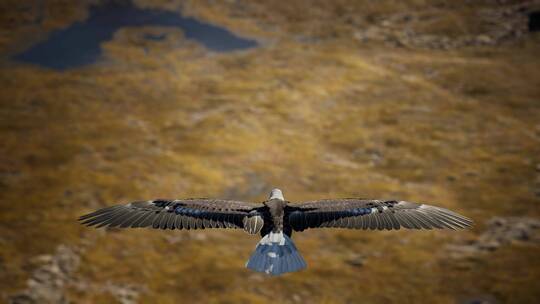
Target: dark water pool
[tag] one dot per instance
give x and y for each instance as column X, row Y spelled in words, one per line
column 534, row 21
column 79, row 44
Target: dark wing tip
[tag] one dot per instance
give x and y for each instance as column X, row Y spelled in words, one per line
column 101, row 216
column 97, row 212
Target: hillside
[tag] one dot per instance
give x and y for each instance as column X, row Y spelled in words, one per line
column 428, row 101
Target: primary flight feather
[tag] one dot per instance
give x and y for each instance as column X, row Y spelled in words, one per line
column 275, row 220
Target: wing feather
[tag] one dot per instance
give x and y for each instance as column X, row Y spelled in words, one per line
column 132, row 220
column 171, row 221
column 365, row 222
column 403, row 220
column 374, row 215
column 394, row 221
column 147, row 220
column 176, row 214
column 178, row 222
column 157, row 220
column 90, row 221
column 385, row 222
column 420, row 220
column 121, row 218
column 414, row 223
column 371, row 222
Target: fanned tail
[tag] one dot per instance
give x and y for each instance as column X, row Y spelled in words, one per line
column 276, row 254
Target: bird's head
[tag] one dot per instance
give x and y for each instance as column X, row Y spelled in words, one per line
column 276, row 194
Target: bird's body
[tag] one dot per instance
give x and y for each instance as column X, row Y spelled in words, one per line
column 275, row 220
column 276, row 210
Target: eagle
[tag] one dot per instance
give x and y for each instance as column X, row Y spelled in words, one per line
column 275, row 220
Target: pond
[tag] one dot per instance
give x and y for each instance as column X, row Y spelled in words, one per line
column 79, row 44
column 534, row 21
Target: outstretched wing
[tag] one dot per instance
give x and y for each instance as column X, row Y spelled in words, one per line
column 372, row 214
column 188, row 214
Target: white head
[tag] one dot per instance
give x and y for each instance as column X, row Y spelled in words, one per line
column 277, row 194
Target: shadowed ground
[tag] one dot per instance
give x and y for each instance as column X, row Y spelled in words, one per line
column 433, row 103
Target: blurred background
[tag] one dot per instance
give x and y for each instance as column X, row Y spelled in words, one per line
column 106, row 102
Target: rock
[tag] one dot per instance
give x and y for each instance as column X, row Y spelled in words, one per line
column 462, row 251
column 199, row 236
column 356, row 261
column 47, row 282
column 484, row 39
column 42, row 259
column 500, row 24
column 489, row 245
column 500, row 231
column 22, row 299
column 125, row 294
column 174, row 239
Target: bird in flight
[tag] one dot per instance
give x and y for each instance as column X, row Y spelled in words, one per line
column 275, row 220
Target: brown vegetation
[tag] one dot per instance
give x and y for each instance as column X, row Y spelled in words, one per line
column 314, row 111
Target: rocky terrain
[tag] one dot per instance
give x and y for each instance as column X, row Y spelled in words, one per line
column 428, row 101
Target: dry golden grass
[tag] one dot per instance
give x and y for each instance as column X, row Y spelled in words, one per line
column 456, row 128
